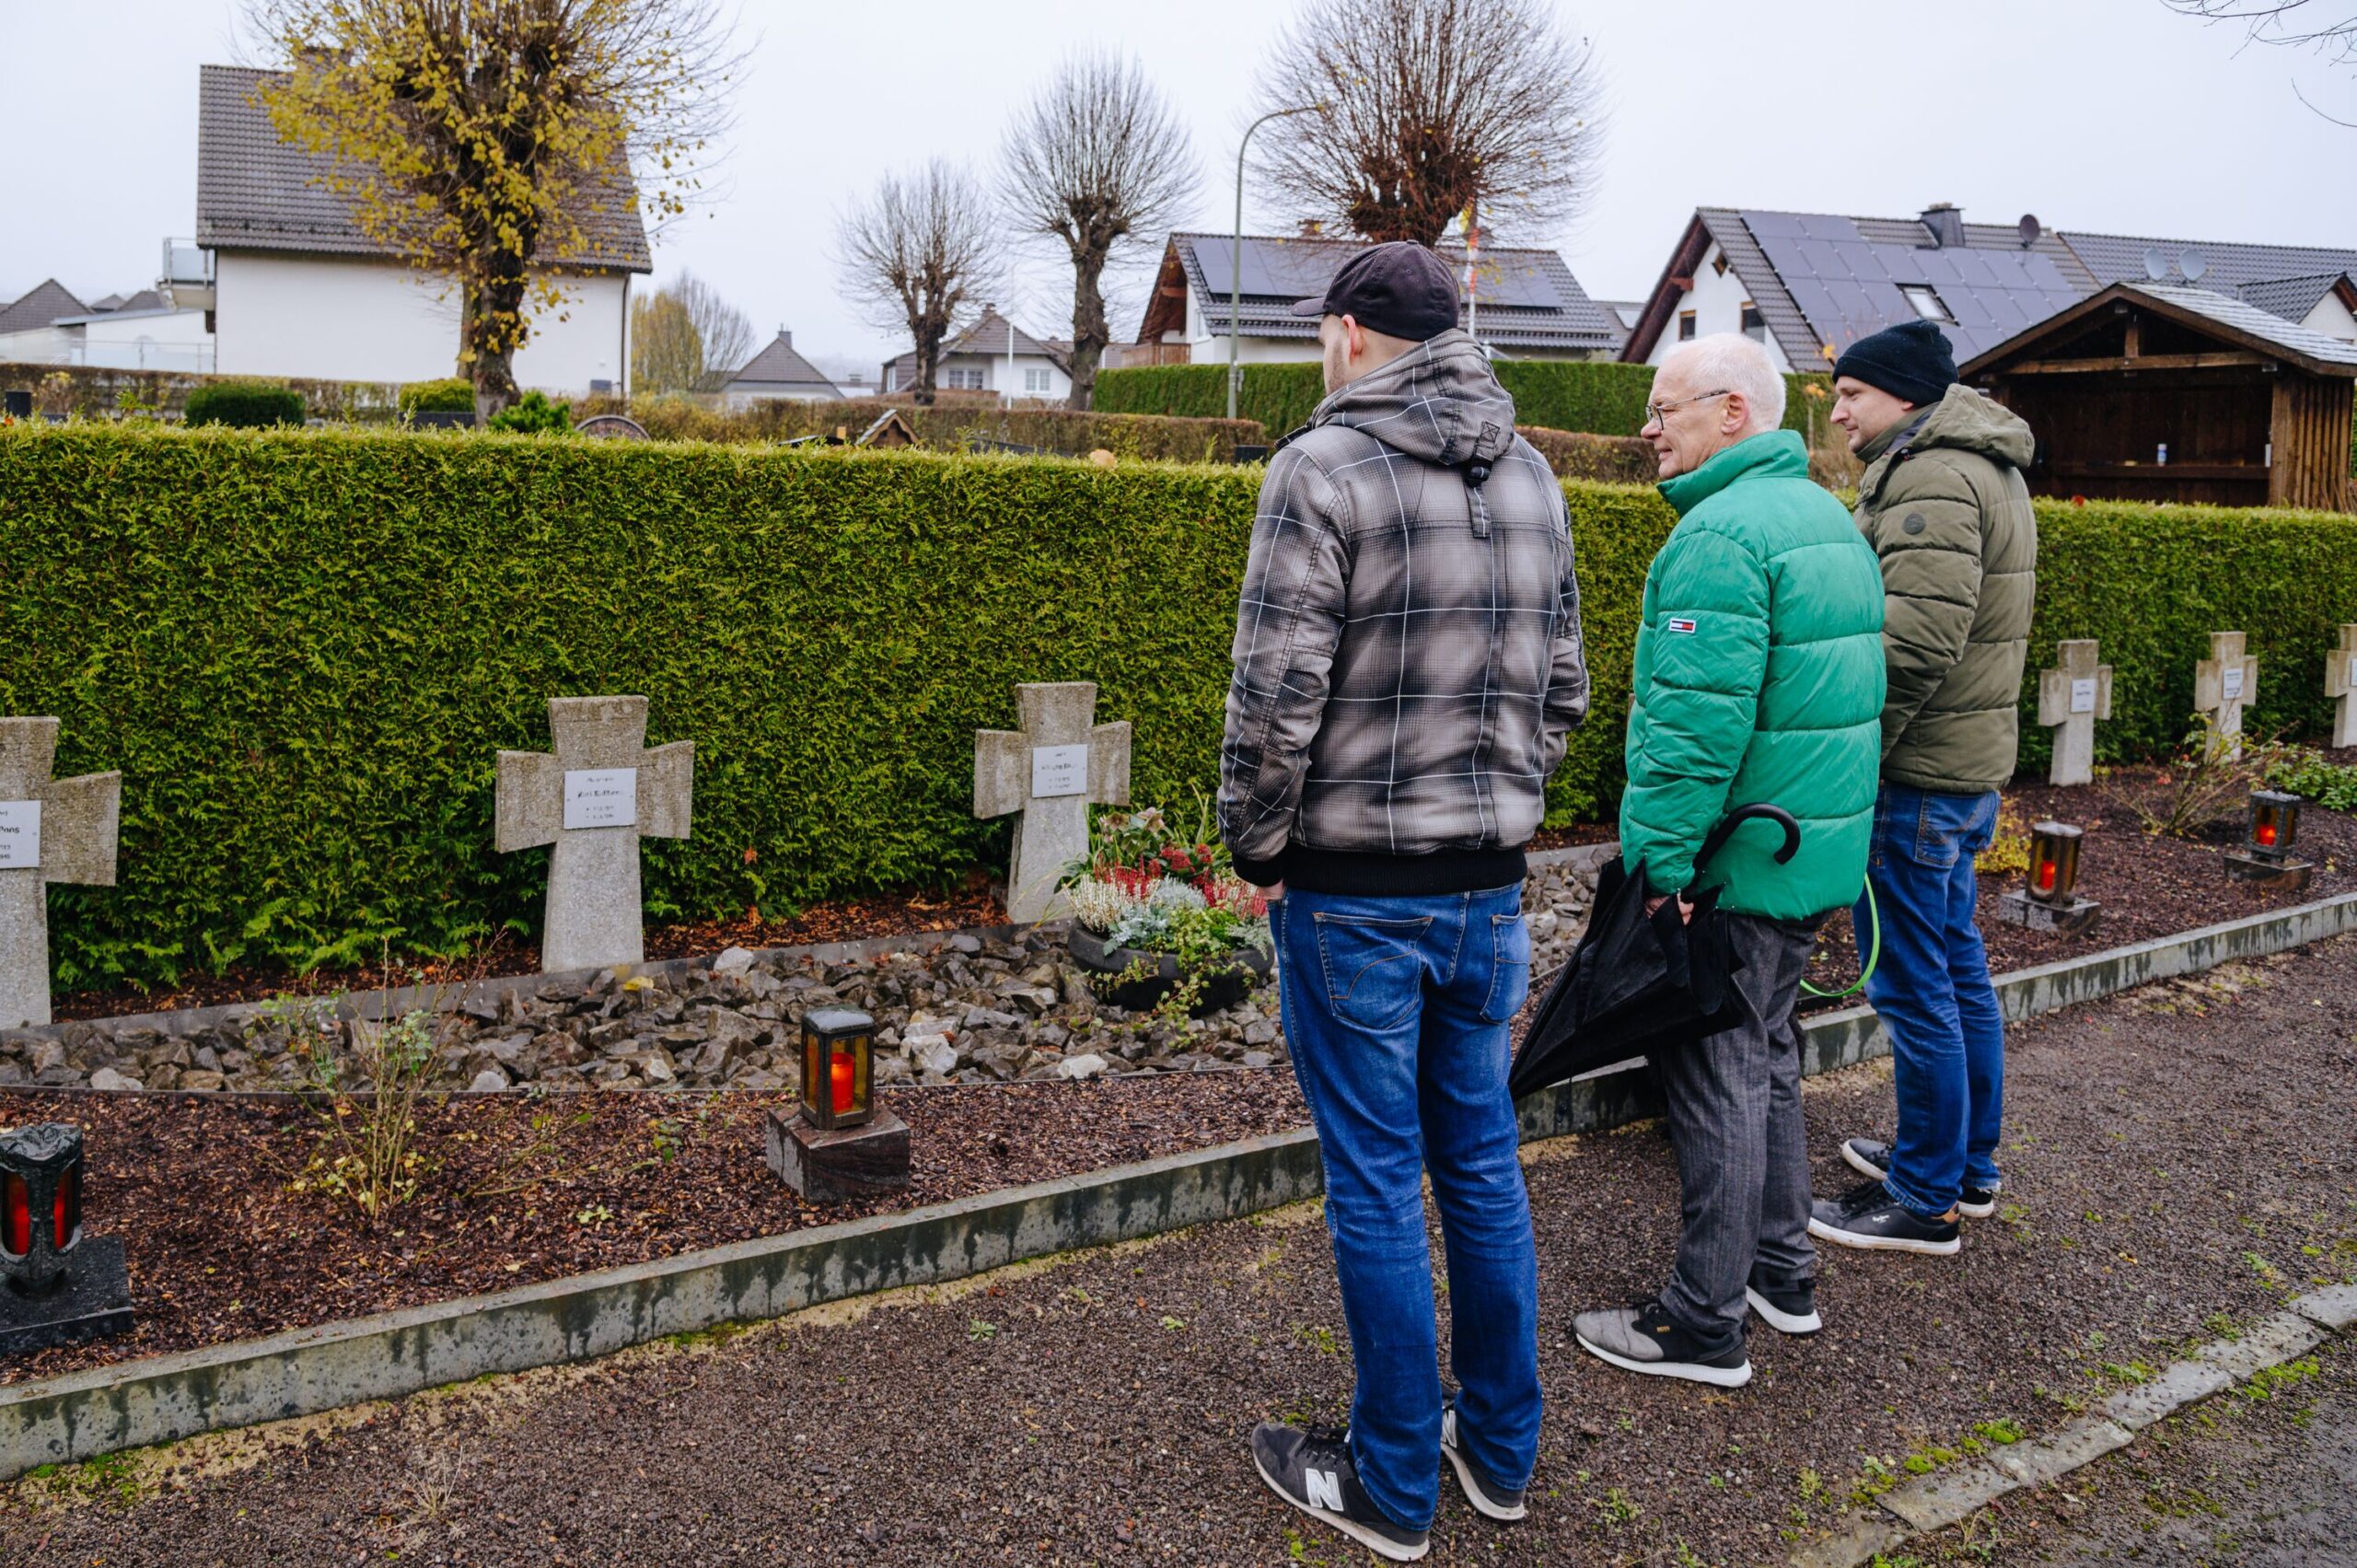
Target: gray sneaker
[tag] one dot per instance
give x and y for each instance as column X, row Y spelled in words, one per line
column 1311, row 1468
column 1488, row 1497
column 1644, row 1339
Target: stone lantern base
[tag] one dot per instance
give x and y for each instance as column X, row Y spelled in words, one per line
column 866, row 1161
column 2074, row 919
column 92, row 1302
column 2277, row 876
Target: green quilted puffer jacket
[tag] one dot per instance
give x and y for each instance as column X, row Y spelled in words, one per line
column 1943, row 504
column 1759, row 679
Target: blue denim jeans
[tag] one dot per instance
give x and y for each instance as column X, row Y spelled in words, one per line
column 1948, row 1039
column 1395, row 1013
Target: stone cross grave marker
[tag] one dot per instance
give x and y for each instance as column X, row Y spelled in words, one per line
column 594, row 799
column 51, row 830
column 2070, row 699
column 2340, row 683
column 1052, row 770
column 2223, row 684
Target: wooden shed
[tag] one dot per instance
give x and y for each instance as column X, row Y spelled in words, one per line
column 2167, row 392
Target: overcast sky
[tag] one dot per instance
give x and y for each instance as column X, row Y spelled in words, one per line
column 2110, row 115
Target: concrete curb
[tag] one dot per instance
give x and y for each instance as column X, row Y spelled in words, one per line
column 160, row 1399
column 1933, row 1503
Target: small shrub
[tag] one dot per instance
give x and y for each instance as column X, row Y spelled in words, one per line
column 451, row 395
column 2301, row 772
column 245, row 405
column 532, row 414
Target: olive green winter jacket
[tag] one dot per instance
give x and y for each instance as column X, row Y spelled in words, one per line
column 1758, row 679
column 1943, row 504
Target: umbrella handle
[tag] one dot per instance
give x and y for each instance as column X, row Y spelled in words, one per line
column 1759, row 811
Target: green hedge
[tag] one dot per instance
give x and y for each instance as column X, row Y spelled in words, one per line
column 948, row 425
column 305, row 649
column 452, row 394
column 245, row 405
column 1600, row 397
column 1607, row 459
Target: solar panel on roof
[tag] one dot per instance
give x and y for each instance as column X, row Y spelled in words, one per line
column 1517, row 281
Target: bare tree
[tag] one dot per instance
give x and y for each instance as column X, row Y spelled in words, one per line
column 485, row 139
column 916, row 251
column 666, row 351
column 2329, row 31
column 1099, row 160
column 724, row 332
column 1434, row 109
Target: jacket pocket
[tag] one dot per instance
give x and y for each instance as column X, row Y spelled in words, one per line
column 1373, row 969
column 1509, row 968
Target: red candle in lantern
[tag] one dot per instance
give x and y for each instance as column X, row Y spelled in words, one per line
column 17, row 1219
column 2266, row 835
column 841, row 1068
column 2046, row 876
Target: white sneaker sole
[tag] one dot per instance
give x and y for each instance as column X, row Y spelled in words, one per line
column 1391, row 1550
column 1824, row 1232
column 1867, row 1167
column 1783, row 1322
column 1692, row 1372
column 1977, row 1211
column 1473, row 1489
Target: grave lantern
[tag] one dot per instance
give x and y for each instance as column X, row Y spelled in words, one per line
column 2274, row 823
column 41, row 1205
column 838, row 1068
column 2053, row 863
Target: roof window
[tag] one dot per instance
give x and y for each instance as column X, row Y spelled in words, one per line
column 1927, row 302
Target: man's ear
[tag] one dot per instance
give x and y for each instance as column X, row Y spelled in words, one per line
column 1353, row 338
column 1735, row 412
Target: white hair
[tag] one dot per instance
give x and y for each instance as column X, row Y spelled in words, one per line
column 1731, row 361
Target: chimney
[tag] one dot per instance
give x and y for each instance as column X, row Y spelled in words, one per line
column 785, row 337
column 1946, row 220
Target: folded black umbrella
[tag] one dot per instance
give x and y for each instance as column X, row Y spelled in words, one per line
column 1640, row 984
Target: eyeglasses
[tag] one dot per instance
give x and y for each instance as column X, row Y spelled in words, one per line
column 1657, row 413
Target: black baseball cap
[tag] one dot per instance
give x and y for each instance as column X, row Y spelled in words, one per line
column 1400, row 289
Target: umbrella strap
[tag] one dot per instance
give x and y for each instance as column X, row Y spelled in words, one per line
column 1873, row 953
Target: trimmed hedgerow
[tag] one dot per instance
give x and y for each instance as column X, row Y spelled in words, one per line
column 452, row 394
column 950, row 425
column 1607, row 459
column 304, row 650
column 245, row 405
column 1598, row 397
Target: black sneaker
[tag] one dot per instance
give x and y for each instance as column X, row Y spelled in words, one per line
column 1788, row 1309
column 1311, row 1468
column 1645, row 1339
column 1870, row 1158
column 1869, row 1217
column 1487, row 1496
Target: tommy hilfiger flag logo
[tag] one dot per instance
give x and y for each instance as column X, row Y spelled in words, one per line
column 1678, row 624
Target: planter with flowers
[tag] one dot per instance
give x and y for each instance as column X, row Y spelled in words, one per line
column 1160, row 919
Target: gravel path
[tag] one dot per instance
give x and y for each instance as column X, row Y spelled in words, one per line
column 2178, row 1159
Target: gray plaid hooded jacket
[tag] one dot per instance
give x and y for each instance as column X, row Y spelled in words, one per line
column 1408, row 659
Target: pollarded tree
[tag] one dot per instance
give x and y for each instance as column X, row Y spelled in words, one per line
column 915, row 252
column 484, row 140
column 1432, row 108
column 2326, row 28
column 1097, row 160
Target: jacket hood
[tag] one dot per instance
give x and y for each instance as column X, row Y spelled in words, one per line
column 1439, row 402
column 1974, row 421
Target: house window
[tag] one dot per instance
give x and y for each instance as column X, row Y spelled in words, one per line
column 1685, row 325
column 1035, row 380
column 1927, row 302
column 1755, row 325
column 962, row 381
column 1719, row 263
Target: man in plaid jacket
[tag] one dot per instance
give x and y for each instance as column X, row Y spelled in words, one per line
column 1408, row 670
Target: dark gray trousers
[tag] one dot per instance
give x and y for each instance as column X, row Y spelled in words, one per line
column 1735, row 1120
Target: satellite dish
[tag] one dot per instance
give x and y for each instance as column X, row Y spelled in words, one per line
column 2154, row 267
column 2192, row 264
column 2030, row 229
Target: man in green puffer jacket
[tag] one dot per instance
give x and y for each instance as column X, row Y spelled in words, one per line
column 1945, row 507
column 1758, row 679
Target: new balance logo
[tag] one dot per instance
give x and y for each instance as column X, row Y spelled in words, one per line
column 1323, row 1489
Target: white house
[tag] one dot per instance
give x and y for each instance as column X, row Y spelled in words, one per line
column 993, row 355
column 778, row 371
column 299, row 290
column 1808, row 284
column 1524, row 304
column 143, row 331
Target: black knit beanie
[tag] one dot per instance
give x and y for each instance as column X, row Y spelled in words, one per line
column 1912, row 362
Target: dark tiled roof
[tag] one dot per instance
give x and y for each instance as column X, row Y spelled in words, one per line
column 2293, row 298
column 2206, row 311
column 986, row 339
column 2226, row 267
column 1527, row 298
column 39, row 306
column 780, row 366
column 256, row 192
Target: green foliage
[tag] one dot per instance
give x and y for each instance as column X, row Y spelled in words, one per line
column 533, row 414
column 1607, row 459
column 1600, row 397
column 245, row 405
column 2299, row 770
column 952, row 425
column 452, row 394
column 305, row 650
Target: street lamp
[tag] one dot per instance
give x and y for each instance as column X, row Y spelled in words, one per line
column 1236, row 252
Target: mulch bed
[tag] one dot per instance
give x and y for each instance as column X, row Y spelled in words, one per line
column 516, row 1190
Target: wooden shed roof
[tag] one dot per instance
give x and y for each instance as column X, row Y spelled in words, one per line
column 2232, row 320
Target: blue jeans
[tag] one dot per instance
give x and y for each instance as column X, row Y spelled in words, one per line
column 1395, row 1013
column 1948, row 1039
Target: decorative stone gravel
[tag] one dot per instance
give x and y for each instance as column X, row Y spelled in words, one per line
column 974, row 1010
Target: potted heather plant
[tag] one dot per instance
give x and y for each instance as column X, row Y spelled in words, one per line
column 1160, row 917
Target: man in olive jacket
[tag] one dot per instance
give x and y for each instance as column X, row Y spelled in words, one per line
column 1945, row 507
column 1758, row 679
